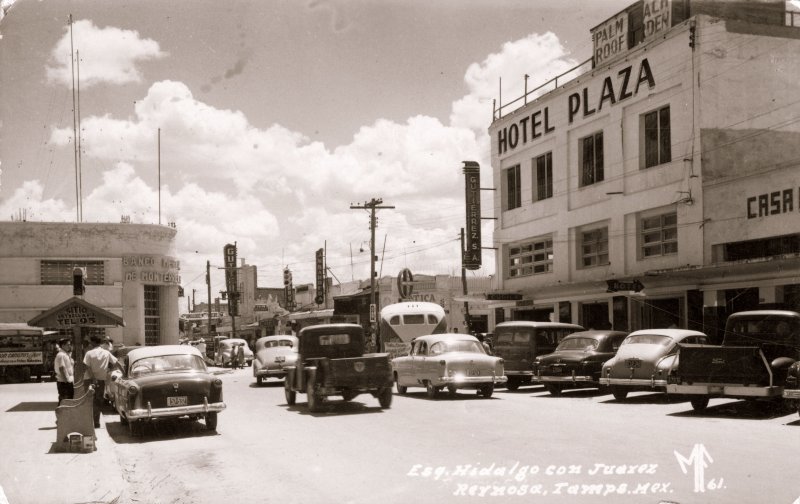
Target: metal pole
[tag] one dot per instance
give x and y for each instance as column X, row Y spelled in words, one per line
column 372, row 271
column 208, row 284
column 159, row 193
column 467, row 317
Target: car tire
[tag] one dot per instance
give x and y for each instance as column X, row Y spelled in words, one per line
column 619, row 393
column 430, row 390
column 555, row 390
column 211, row 421
column 122, row 419
column 486, row 390
column 401, row 389
column 452, row 390
column 348, row 396
column 259, row 380
column 314, row 399
column 699, row 403
column 135, row 428
column 512, row 384
column 385, row 397
column 291, row 395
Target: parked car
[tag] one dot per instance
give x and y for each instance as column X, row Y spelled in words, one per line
column 577, row 361
column 791, row 392
column 111, row 385
column 222, row 357
column 448, row 360
column 331, row 361
column 520, row 342
column 166, row 381
column 753, row 361
column 273, row 354
column 644, row 359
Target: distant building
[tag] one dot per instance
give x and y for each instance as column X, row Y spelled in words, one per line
column 657, row 184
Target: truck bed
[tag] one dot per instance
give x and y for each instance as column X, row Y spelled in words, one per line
column 743, row 365
column 368, row 371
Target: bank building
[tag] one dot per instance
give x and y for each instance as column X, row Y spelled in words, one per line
column 658, row 183
column 131, row 275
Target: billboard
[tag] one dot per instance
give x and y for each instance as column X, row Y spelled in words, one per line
column 320, row 297
column 229, row 253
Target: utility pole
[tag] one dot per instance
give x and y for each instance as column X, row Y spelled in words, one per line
column 194, row 304
column 372, row 205
column 208, row 284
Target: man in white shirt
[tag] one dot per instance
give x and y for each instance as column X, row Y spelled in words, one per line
column 65, row 369
column 99, row 363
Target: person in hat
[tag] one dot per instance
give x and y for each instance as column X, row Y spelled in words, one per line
column 99, row 363
column 65, row 369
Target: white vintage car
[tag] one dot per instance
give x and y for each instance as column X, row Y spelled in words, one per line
column 448, row 360
column 273, row 354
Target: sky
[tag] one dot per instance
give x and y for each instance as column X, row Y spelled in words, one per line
column 275, row 117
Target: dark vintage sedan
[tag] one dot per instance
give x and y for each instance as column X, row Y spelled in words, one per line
column 577, row 361
column 166, row 381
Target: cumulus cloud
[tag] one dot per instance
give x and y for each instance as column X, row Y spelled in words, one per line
column 107, row 55
column 281, row 196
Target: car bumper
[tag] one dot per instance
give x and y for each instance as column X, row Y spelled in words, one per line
column 726, row 389
column 466, row 381
column 279, row 373
column 565, row 379
column 791, row 393
column 176, row 411
column 634, row 382
column 519, row 373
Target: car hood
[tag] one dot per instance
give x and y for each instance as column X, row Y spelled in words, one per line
column 565, row 356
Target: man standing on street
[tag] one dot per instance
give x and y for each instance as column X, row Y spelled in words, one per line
column 240, row 355
column 99, row 362
column 64, row 367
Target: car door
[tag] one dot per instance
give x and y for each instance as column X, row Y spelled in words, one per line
column 420, row 364
column 404, row 368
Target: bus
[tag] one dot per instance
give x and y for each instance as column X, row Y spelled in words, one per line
column 25, row 351
column 402, row 322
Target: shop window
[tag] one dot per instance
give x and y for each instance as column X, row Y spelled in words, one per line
column 659, row 235
column 591, row 159
column 60, row 272
column 756, row 249
column 531, row 258
column 513, row 189
column 657, row 149
column 594, row 247
column 544, row 176
column 152, row 315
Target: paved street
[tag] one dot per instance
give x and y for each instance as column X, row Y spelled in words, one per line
column 581, row 447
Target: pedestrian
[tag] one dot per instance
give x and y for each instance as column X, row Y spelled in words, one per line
column 240, row 355
column 99, row 362
column 65, row 369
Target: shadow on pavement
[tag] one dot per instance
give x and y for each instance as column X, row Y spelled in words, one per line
column 461, row 395
column 743, row 410
column 268, row 384
column 158, row 430
column 336, row 408
column 34, row 406
column 649, row 398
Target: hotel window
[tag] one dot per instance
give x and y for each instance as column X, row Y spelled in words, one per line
column 152, row 315
column 513, row 188
column 657, row 137
column 594, row 247
column 531, row 258
column 544, row 176
column 659, row 235
column 60, row 272
column 591, row 159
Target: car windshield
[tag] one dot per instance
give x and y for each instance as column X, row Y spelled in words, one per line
column 648, row 339
column 513, row 337
column 578, row 344
column 456, row 346
column 167, row 364
column 277, row 343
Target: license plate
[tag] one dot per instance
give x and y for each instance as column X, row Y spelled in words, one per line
column 177, row 401
column 556, row 369
column 474, row 372
column 280, row 358
column 633, row 363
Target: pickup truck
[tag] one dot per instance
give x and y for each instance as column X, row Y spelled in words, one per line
column 753, row 361
column 331, row 362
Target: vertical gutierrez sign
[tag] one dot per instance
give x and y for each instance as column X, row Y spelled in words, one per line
column 472, row 251
column 229, row 252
